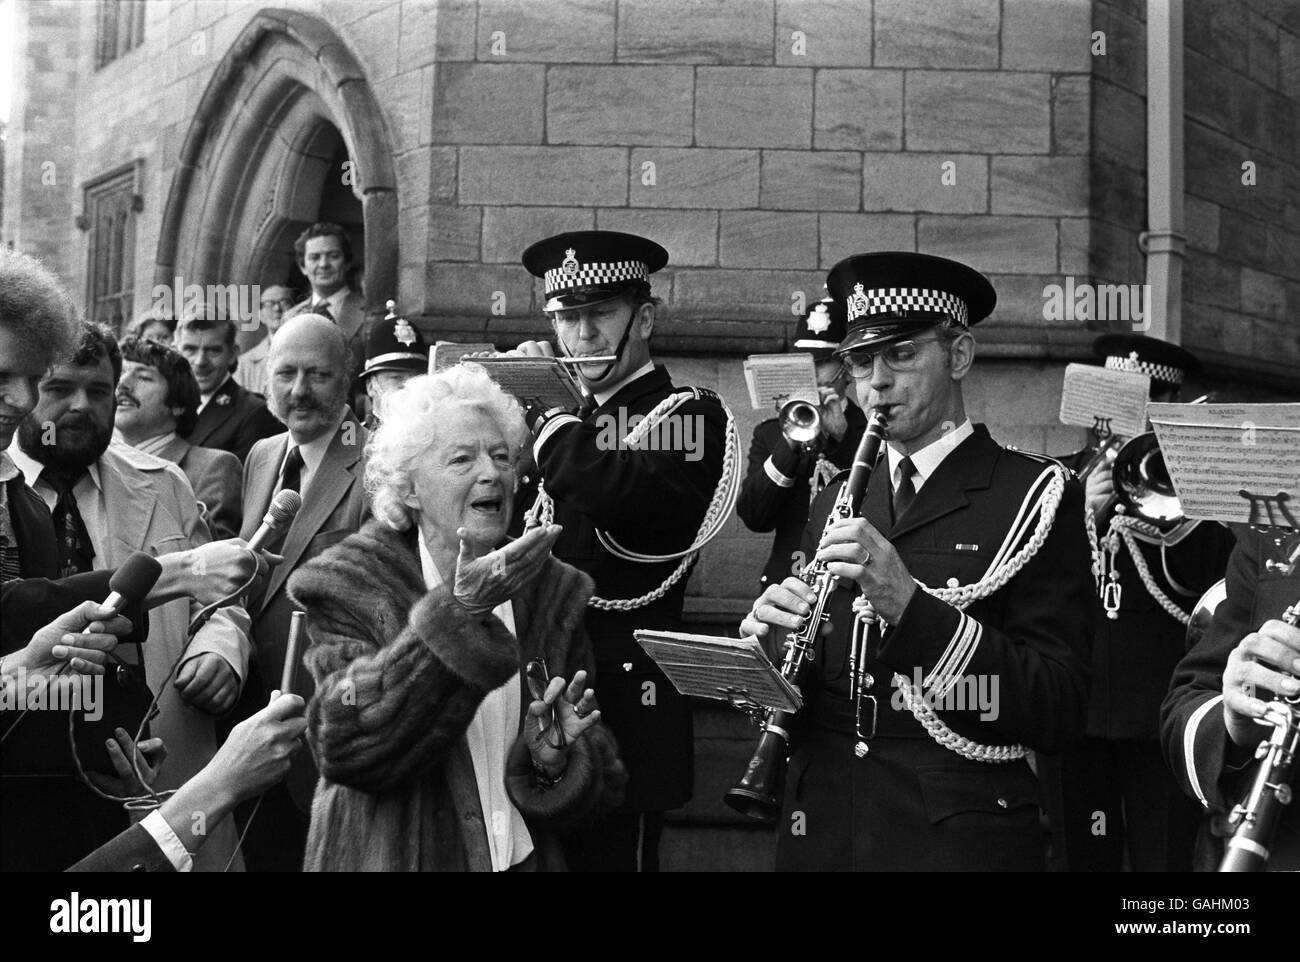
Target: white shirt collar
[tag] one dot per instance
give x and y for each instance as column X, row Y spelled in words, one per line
column 927, row 460
column 313, row 452
column 602, row 396
column 335, row 301
column 31, row 468
column 154, row 444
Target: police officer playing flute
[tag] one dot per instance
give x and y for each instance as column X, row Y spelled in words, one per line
column 958, row 633
column 629, row 507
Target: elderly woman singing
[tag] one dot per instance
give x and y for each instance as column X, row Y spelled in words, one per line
column 451, row 722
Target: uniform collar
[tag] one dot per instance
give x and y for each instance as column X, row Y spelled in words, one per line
column 604, row 395
column 928, row 459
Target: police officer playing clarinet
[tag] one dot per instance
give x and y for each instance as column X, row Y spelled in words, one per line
column 958, row 635
column 629, row 510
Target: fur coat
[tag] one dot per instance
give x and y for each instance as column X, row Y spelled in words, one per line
column 400, row 672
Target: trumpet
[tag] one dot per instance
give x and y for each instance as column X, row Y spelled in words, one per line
column 758, row 793
column 801, row 423
column 1255, row 819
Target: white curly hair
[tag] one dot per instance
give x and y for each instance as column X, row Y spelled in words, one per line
column 412, row 414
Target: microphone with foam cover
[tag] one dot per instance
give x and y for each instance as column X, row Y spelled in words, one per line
column 131, row 582
column 279, row 516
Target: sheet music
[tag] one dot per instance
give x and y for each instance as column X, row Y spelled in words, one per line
column 541, row 379
column 770, row 377
column 728, row 669
column 1092, row 392
column 447, row 354
column 1214, row 451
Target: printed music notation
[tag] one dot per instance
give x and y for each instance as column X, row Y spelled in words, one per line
column 1236, row 463
column 1095, row 395
column 728, row 669
column 541, row 379
column 780, row 377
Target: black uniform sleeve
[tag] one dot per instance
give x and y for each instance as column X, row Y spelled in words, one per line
column 584, row 464
column 1192, row 730
column 763, row 502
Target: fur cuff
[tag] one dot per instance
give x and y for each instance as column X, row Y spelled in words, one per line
column 565, row 803
column 477, row 648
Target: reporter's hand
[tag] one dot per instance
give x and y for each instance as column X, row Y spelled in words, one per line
column 210, row 572
column 258, row 750
column 1264, row 660
column 151, row 753
column 209, row 683
column 61, row 642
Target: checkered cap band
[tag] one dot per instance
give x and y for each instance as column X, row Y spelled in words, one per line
column 888, row 300
column 572, row 275
column 1159, row 372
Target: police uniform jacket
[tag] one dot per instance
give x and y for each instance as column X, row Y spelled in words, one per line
column 1134, row 656
column 1208, row 766
column 910, row 803
column 765, row 505
column 650, row 501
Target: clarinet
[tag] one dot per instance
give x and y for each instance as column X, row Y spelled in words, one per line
column 758, row 793
column 1255, row 819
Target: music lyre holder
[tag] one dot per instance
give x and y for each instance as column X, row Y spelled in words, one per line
column 1287, row 524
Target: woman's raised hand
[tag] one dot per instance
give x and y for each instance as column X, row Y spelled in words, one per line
column 483, row 583
column 575, row 712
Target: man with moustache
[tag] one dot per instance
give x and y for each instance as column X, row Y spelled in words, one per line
column 157, row 405
column 251, row 372
column 108, row 501
column 968, row 568
column 230, row 418
column 319, row 456
column 651, row 502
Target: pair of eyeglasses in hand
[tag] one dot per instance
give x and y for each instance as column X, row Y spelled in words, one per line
column 539, row 679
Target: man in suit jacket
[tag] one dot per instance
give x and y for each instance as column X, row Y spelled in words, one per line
column 909, row 751
column 1220, row 690
column 110, row 501
column 320, row 456
column 157, row 405
column 230, row 418
column 325, row 257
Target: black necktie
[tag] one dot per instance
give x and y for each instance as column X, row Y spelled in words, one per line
column 291, row 476
column 76, row 553
column 906, row 493
column 323, row 309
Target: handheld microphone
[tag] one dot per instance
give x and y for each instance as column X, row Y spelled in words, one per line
column 131, row 582
column 297, row 622
column 278, row 518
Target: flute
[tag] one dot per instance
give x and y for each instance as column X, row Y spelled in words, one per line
column 603, row 359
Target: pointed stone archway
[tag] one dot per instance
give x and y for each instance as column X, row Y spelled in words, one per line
column 287, row 101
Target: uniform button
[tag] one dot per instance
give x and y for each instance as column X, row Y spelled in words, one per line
column 138, row 867
column 953, row 582
column 1002, row 803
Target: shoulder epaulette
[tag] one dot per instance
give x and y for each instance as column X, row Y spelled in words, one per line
column 1033, row 455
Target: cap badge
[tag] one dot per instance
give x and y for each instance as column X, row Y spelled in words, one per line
column 858, row 303
column 1132, row 355
column 569, row 266
column 819, row 320
column 403, row 331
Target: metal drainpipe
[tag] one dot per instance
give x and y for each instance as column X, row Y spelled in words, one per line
column 1163, row 241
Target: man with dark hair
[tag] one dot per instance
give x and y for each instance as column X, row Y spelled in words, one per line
column 229, row 417
column 325, row 257
column 157, row 405
column 107, row 501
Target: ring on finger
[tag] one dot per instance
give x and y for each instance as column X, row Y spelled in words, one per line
column 866, row 557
